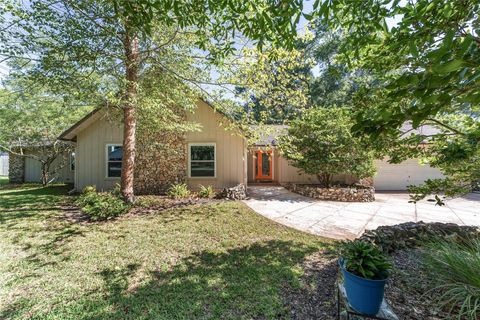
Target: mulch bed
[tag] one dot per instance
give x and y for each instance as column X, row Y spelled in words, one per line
column 144, row 205
column 406, row 291
column 153, row 204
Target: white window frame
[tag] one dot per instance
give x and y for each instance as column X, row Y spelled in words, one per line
column 107, row 161
column 202, row 144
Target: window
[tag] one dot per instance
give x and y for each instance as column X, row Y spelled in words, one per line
column 72, row 161
column 114, row 160
column 202, row 160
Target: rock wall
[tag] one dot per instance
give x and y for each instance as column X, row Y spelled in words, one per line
column 413, row 234
column 16, row 171
column 239, row 192
column 160, row 161
column 334, row 193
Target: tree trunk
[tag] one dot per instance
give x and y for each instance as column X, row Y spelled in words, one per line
column 325, row 179
column 45, row 169
column 129, row 119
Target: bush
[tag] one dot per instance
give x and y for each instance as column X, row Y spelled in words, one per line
column 365, row 260
column 101, row 206
column 178, row 191
column 320, row 143
column 206, row 192
column 455, row 272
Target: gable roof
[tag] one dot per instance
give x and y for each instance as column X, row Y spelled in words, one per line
column 71, row 133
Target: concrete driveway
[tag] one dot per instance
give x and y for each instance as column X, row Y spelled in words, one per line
column 348, row 220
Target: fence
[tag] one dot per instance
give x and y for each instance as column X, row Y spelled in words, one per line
column 3, row 164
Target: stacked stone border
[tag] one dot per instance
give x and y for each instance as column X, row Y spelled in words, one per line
column 239, row 192
column 355, row 193
column 16, row 171
column 414, row 234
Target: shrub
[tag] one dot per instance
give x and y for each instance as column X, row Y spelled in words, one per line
column 101, row 206
column 326, row 132
column 454, row 270
column 178, row 191
column 365, row 260
column 206, row 192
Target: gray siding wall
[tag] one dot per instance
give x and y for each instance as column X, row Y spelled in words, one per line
column 33, row 170
column 231, row 149
column 91, row 154
column 231, row 156
column 3, row 164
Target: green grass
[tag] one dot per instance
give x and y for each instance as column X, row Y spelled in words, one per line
column 3, row 180
column 455, row 276
column 213, row 261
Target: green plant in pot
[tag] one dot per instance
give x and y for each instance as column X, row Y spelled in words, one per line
column 365, row 269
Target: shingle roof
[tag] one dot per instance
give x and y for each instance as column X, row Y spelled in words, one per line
column 270, row 133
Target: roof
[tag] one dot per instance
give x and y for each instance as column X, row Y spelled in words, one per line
column 270, row 133
column 71, row 133
column 426, row 130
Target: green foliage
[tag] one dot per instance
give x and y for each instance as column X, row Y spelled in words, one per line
column 216, row 22
column 101, row 206
column 320, row 143
column 178, row 191
column 365, row 260
column 206, row 192
column 274, row 82
column 33, row 117
column 447, row 187
column 426, row 65
column 454, row 272
column 334, row 83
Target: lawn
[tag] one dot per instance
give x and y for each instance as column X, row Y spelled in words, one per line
column 3, row 180
column 217, row 260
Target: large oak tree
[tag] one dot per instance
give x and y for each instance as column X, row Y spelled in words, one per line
column 113, row 41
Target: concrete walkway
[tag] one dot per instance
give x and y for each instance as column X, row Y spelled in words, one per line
column 348, row 220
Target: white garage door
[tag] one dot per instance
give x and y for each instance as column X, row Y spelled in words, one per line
column 399, row 176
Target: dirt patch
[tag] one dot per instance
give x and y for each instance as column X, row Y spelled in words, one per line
column 406, row 290
column 316, row 298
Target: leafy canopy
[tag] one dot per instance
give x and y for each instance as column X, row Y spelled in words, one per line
column 424, row 55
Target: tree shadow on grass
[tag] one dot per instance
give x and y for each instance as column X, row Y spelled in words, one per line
column 241, row 283
column 31, row 221
column 34, row 198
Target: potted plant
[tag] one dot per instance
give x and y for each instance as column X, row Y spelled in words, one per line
column 365, row 271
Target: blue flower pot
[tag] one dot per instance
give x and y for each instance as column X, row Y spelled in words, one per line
column 364, row 295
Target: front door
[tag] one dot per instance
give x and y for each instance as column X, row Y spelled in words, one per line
column 263, row 165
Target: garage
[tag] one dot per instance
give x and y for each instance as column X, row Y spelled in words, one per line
column 399, row 176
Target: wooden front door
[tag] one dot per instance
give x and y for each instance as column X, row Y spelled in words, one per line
column 263, row 165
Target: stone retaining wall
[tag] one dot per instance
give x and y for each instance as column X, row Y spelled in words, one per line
column 413, row 234
column 16, row 170
column 239, row 192
column 334, row 193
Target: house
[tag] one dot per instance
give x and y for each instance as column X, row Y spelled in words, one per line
column 3, row 164
column 389, row 177
column 27, row 168
column 217, row 155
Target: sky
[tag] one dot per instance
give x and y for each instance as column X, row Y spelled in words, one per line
column 308, row 7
